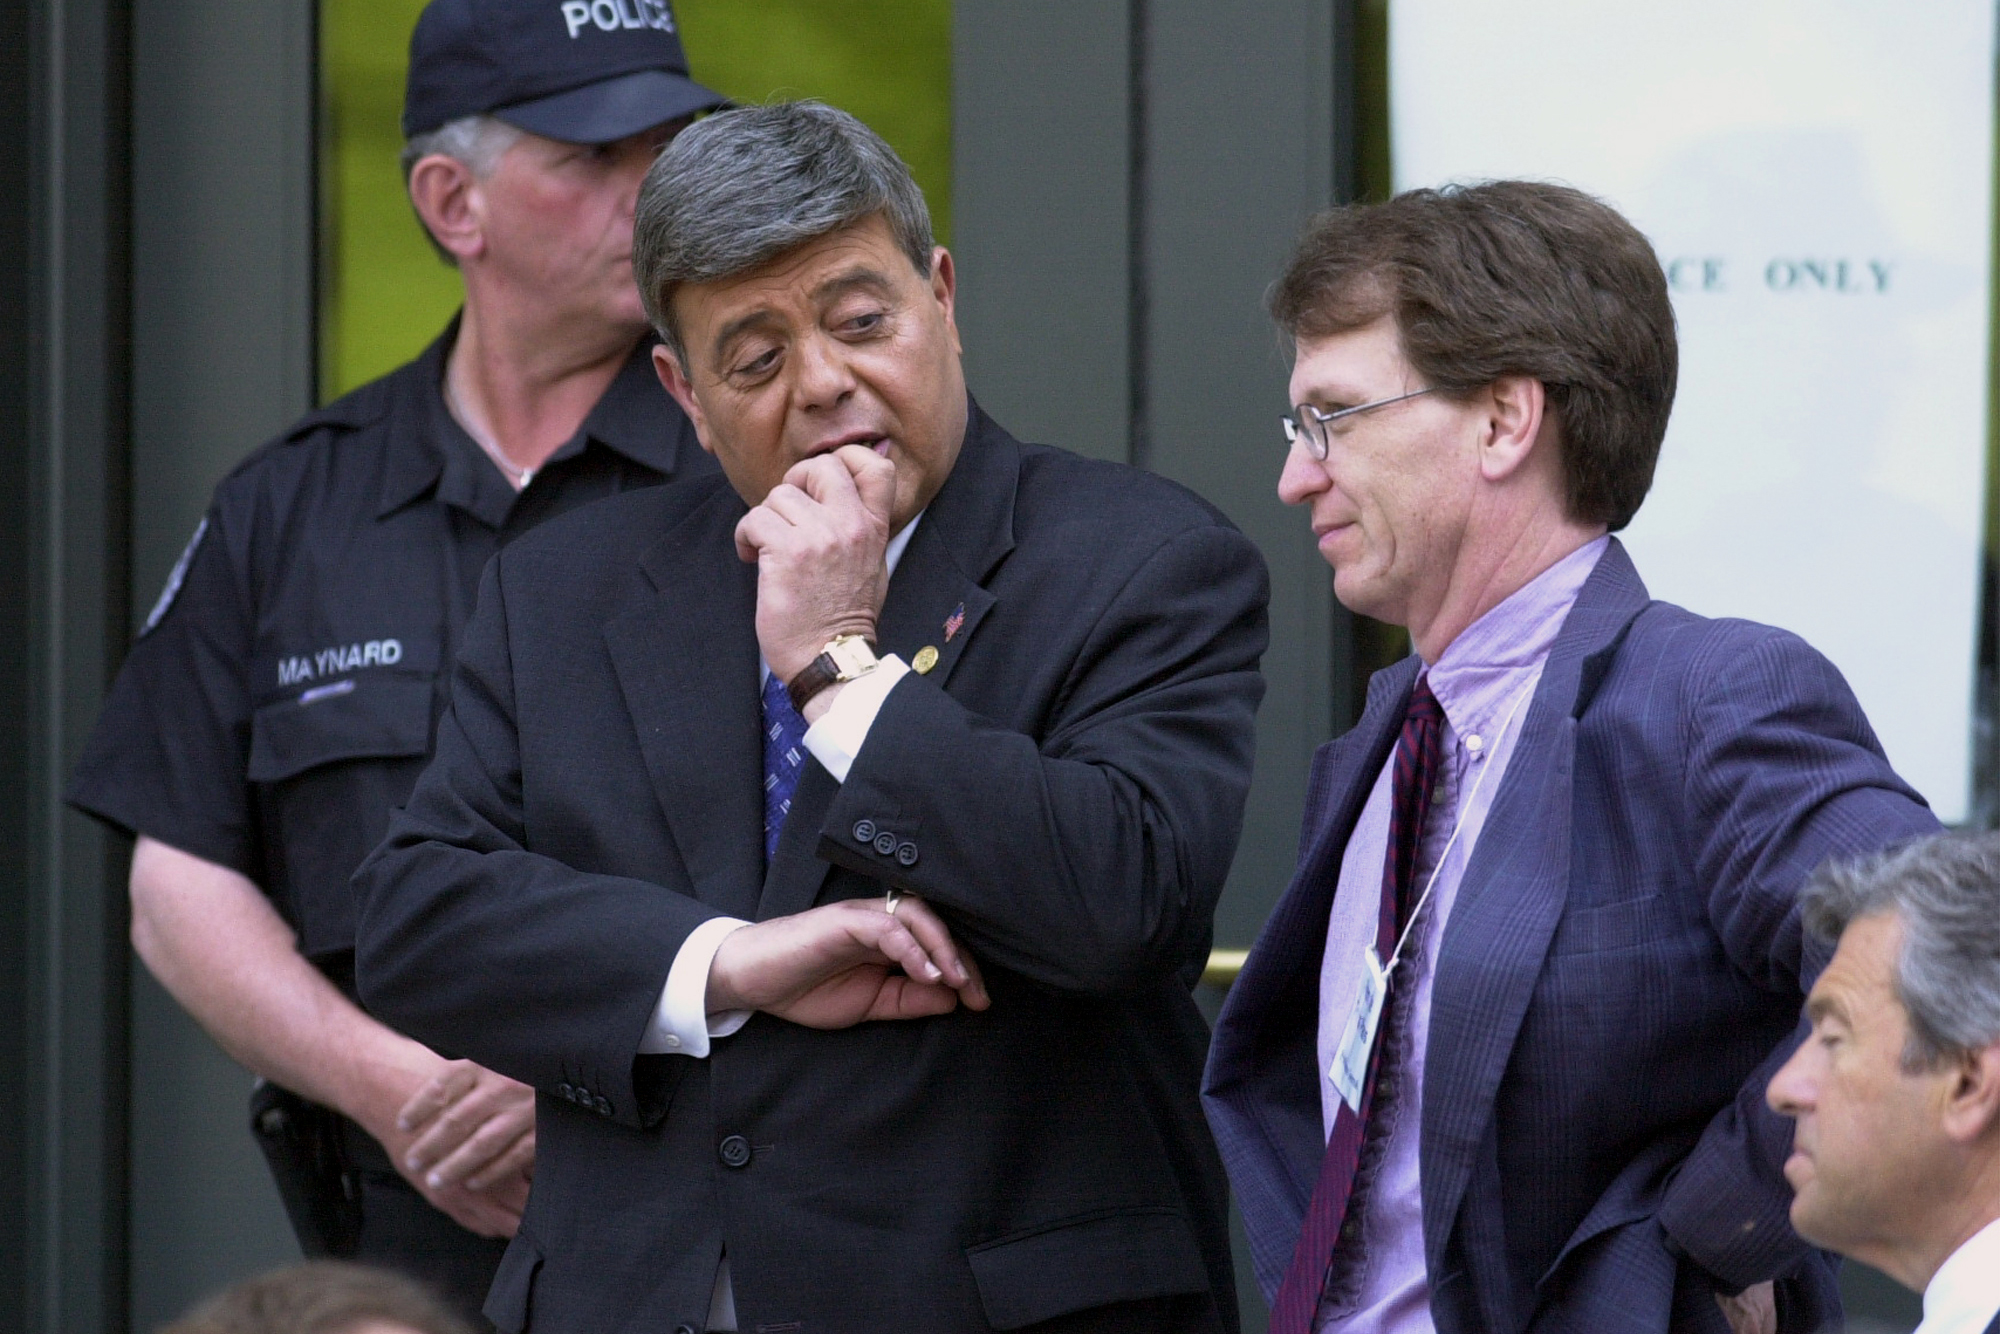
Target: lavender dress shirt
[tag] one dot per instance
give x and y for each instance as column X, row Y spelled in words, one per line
column 1483, row 679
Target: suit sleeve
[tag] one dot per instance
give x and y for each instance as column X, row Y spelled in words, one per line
column 479, row 948
column 1783, row 774
column 1090, row 857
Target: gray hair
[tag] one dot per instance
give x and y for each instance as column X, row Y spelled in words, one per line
column 740, row 188
column 1946, row 890
column 477, row 141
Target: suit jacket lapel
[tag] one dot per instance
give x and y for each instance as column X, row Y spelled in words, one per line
column 1284, row 962
column 1263, row 1069
column 1348, row 785
column 1512, row 897
column 966, row 530
column 686, row 659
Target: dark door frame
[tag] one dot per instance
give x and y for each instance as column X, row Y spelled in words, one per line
column 64, row 279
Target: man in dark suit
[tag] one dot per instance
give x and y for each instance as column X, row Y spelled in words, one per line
column 1007, row 698
column 1496, row 1062
column 1896, row 1099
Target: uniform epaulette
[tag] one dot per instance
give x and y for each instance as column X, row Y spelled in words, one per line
column 351, row 411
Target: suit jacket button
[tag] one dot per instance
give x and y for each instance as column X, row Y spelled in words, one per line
column 565, row 1092
column 603, row 1106
column 906, row 854
column 683, row 1329
column 864, row 831
column 885, row 843
column 735, row 1151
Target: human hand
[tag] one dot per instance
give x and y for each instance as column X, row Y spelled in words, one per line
column 465, row 1138
column 818, row 541
column 1751, row 1311
column 831, row 967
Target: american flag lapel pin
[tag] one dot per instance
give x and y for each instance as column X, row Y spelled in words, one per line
column 954, row 622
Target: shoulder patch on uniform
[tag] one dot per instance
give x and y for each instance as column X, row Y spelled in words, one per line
column 174, row 578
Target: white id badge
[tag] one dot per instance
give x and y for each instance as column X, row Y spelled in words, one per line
column 1349, row 1071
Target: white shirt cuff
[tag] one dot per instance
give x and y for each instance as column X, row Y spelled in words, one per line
column 836, row 739
column 682, row 1025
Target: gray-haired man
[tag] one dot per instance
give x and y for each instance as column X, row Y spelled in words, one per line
column 280, row 702
column 1896, row 1156
column 740, row 778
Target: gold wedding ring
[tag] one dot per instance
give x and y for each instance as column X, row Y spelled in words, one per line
column 890, row 900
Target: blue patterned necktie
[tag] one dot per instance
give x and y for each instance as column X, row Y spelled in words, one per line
column 784, row 756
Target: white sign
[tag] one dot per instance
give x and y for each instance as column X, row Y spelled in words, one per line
column 1817, row 176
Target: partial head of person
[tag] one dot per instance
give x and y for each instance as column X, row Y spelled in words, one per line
column 1481, row 382
column 1895, row 1095
column 528, row 126
column 785, row 256
column 322, row 1297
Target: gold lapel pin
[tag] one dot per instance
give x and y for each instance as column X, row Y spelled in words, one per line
column 925, row 660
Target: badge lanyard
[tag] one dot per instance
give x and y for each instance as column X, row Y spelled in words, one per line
column 1349, row 1071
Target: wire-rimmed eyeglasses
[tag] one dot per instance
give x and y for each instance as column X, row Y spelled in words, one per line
column 1306, row 422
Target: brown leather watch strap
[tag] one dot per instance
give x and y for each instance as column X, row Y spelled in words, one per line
column 818, row 675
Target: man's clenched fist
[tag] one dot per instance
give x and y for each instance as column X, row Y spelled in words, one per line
column 818, row 541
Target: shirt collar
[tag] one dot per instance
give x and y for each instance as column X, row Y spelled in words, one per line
column 894, row 551
column 1964, row 1294
column 1480, row 672
column 630, row 416
column 634, row 417
column 467, row 479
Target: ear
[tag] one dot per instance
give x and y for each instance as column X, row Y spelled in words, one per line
column 447, row 197
column 944, row 286
column 1972, row 1094
column 1516, row 404
column 674, row 378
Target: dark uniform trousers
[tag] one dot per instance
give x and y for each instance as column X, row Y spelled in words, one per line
column 283, row 696
column 401, row 1231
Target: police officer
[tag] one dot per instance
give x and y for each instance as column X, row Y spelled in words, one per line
column 282, row 696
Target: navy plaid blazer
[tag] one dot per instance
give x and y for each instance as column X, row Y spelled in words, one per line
column 1621, row 975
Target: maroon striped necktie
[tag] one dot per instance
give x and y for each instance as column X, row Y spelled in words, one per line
column 1419, row 763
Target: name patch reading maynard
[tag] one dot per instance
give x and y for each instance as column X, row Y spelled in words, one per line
column 351, row 657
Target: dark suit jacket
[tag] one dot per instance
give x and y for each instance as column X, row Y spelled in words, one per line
column 1621, row 975
column 1071, row 774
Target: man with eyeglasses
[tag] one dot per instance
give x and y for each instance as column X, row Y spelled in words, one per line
column 1497, row 1061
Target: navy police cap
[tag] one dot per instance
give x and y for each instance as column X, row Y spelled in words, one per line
column 582, row 71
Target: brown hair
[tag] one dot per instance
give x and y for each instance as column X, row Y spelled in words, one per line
column 1510, row 278
column 320, row 1297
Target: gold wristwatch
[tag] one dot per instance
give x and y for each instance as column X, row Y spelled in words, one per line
column 844, row 659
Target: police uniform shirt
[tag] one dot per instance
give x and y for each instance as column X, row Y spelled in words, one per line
column 283, row 697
